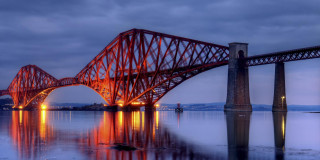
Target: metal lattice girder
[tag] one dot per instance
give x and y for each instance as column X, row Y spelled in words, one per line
column 138, row 65
column 30, row 82
column 285, row 56
column 4, row 92
column 141, row 65
column 32, row 85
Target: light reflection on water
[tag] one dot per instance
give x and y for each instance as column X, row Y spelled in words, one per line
column 159, row 135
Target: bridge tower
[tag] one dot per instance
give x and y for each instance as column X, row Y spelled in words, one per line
column 238, row 97
column 279, row 99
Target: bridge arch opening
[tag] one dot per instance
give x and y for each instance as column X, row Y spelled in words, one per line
column 74, row 95
column 206, row 87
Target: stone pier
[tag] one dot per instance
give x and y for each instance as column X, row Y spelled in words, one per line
column 279, row 99
column 238, row 97
column 149, row 107
column 130, row 108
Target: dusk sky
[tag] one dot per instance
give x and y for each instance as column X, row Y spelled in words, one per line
column 61, row 37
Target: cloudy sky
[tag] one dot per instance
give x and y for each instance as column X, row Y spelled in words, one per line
column 62, row 36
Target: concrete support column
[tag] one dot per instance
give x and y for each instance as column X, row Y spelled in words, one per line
column 279, row 99
column 238, row 97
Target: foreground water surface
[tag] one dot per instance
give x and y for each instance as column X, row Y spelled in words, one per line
column 159, row 135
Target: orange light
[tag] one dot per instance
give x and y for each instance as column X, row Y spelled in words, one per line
column 43, row 106
column 20, row 107
column 43, row 126
column 157, row 105
column 120, row 117
column 136, row 120
column 136, row 103
column 120, row 103
column 20, row 116
column 157, row 119
column 153, row 90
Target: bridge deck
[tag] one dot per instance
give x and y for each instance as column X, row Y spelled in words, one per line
column 4, row 92
column 284, row 56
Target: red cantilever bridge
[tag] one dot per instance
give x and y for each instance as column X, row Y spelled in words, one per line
column 139, row 67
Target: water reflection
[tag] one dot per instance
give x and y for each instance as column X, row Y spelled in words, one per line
column 159, row 135
column 279, row 124
column 118, row 135
column 238, row 124
column 30, row 133
column 133, row 135
column 178, row 118
column 238, row 128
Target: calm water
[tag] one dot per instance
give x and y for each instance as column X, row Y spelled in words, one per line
column 159, row 135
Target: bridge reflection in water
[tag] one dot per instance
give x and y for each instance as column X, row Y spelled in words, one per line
column 117, row 135
column 238, row 134
column 279, row 123
column 126, row 135
column 238, row 128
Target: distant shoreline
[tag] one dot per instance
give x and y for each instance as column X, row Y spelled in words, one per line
column 5, row 105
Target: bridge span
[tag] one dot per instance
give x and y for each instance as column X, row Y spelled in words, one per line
column 139, row 67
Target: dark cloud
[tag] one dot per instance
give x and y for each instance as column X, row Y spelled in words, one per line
column 63, row 36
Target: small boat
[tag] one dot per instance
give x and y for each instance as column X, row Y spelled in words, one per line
column 179, row 109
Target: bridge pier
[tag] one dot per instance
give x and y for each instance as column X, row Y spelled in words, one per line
column 238, row 97
column 149, row 107
column 279, row 99
column 113, row 108
column 130, row 108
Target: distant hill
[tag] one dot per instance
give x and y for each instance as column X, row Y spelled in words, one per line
column 218, row 106
column 69, row 104
column 6, row 103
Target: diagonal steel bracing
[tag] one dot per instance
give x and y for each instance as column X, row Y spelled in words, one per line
column 138, row 66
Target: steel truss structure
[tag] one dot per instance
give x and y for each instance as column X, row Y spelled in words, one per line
column 140, row 66
column 284, row 56
column 137, row 68
column 30, row 86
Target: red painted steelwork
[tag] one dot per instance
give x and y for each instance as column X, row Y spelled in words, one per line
column 142, row 66
column 4, row 92
column 30, row 86
column 69, row 81
column 137, row 67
